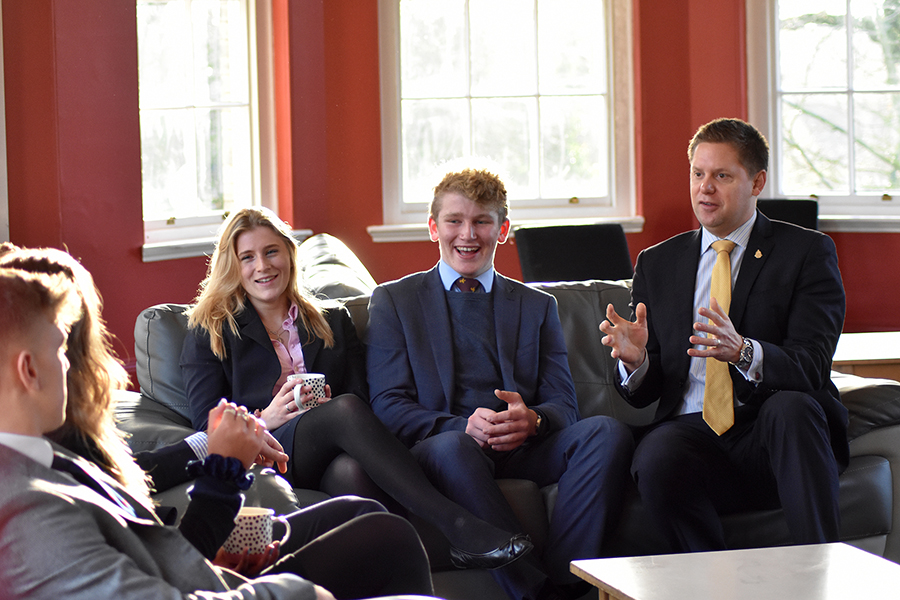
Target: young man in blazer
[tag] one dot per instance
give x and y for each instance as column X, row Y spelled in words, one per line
column 478, row 386
column 784, row 440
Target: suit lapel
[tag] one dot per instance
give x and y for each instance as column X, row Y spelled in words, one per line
column 252, row 327
column 759, row 248
column 310, row 349
column 507, row 317
column 431, row 295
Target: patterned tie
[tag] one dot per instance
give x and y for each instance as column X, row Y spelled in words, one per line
column 718, row 393
column 466, row 284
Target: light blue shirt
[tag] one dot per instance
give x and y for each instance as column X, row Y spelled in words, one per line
column 693, row 392
column 449, row 277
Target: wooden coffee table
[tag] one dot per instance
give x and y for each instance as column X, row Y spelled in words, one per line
column 815, row 572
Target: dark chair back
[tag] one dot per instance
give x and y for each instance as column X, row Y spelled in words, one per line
column 804, row 213
column 573, row 252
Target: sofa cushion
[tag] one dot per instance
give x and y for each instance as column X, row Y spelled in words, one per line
column 159, row 333
column 582, row 307
column 329, row 269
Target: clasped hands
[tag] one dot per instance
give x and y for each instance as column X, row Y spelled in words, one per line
column 233, row 432
column 505, row 430
column 628, row 339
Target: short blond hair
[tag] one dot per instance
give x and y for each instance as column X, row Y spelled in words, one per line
column 478, row 185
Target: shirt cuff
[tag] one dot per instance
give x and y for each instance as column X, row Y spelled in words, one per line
column 198, row 443
column 636, row 378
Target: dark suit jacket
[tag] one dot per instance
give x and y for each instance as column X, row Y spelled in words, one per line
column 410, row 355
column 251, row 368
column 788, row 296
column 61, row 539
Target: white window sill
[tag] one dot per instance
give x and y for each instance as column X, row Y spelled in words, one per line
column 418, row 232
column 860, row 223
column 194, row 247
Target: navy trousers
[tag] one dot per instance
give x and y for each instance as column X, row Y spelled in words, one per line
column 778, row 454
column 589, row 460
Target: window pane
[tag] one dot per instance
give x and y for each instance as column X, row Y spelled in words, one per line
column 877, row 122
column 223, row 151
column 469, row 94
column 164, row 40
column 502, row 57
column 196, row 122
column 169, row 169
column 433, row 55
column 505, row 131
column 573, row 51
column 814, row 144
column 876, row 44
column 574, row 139
column 433, row 132
column 813, row 44
column 220, row 51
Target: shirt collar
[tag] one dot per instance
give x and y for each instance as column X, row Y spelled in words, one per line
column 35, row 448
column 293, row 313
column 449, row 276
column 740, row 236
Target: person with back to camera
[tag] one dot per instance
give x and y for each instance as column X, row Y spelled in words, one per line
column 477, row 385
column 105, row 543
column 748, row 416
column 325, row 540
column 252, row 326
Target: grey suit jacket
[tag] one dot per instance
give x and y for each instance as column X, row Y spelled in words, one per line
column 60, row 539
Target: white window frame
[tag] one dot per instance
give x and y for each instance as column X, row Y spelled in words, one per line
column 403, row 225
column 835, row 213
column 195, row 236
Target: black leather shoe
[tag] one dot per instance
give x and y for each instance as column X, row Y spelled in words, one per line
column 516, row 548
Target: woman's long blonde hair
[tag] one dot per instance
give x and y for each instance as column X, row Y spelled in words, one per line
column 222, row 296
column 94, row 373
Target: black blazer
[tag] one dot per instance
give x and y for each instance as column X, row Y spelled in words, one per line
column 250, row 369
column 788, row 296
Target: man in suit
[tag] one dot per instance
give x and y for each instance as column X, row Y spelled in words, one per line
column 66, row 529
column 478, row 386
column 780, row 438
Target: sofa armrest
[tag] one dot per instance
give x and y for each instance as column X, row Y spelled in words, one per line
column 148, row 423
column 872, row 403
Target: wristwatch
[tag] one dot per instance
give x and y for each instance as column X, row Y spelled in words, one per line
column 746, row 358
column 537, row 424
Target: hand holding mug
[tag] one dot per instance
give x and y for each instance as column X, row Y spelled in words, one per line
column 250, row 542
column 310, row 392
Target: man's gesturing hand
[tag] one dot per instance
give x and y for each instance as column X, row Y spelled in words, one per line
column 628, row 340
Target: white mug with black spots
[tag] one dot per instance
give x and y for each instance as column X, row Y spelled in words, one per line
column 316, row 381
column 253, row 530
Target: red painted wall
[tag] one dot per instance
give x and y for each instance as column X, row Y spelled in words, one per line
column 74, row 142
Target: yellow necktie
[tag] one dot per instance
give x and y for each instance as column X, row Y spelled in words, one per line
column 718, row 393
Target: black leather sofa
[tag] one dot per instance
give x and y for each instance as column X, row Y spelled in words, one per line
column 869, row 488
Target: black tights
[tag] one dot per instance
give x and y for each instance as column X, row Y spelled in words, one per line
column 347, row 425
column 342, row 536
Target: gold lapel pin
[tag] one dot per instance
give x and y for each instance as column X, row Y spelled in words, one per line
column 758, row 254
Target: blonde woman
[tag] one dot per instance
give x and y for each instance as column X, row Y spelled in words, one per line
column 253, row 325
